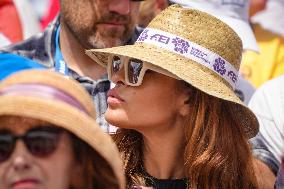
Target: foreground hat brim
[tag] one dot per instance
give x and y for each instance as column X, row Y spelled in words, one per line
column 73, row 120
column 193, row 73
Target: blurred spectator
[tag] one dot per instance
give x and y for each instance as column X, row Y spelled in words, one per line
column 50, row 14
column 40, row 7
column 268, row 27
column 268, row 146
column 256, row 6
column 46, row 10
column 82, row 25
column 17, row 21
column 149, row 9
column 280, row 177
column 49, row 138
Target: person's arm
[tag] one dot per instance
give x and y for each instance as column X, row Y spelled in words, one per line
column 265, row 177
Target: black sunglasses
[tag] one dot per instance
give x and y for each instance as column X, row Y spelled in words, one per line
column 40, row 141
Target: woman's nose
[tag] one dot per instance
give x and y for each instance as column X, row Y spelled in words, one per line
column 21, row 158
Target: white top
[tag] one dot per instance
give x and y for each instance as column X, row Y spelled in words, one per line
column 268, row 105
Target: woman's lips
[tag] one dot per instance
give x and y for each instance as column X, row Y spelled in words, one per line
column 25, row 183
column 113, row 97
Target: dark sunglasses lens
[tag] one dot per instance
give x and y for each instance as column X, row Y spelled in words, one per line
column 116, row 64
column 42, row 143
column 6, row 146
column 134, row 70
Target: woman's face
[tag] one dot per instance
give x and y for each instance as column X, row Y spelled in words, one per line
column 23, row 170
column 159, row 100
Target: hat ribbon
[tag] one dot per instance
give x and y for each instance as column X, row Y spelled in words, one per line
column 41, row 91
column 192, row 51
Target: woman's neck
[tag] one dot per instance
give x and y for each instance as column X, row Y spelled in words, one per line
column 164, row 153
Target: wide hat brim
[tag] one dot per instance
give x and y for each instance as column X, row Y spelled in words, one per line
column 62, row 115
column 186, row 69
column 200, row 77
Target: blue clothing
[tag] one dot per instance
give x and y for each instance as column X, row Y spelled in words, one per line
column 10, row 63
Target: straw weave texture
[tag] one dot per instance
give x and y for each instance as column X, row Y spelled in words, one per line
column 62, row 114
column 206, row 31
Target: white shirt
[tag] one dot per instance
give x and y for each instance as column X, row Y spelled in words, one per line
column 268, row 105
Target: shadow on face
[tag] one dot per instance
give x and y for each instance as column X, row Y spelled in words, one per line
column 37, row 154
column 34, row 154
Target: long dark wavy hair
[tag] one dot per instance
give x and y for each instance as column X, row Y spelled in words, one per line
column 96, row 173
column 217, row 153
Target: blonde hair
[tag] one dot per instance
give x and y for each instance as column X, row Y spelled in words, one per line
column 217, row 153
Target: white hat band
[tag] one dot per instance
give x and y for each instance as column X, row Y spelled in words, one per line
column 191, row 51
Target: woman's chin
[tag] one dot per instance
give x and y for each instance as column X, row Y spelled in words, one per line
column 113, row 118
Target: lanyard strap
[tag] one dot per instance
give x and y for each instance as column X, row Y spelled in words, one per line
column 60, row 65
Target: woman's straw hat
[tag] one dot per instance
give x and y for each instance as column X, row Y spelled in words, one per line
column 196, row 47
column 51, row 97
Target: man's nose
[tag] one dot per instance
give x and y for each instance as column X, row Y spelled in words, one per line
column 121, row 7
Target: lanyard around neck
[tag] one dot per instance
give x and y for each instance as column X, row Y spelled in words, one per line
column 60, row 65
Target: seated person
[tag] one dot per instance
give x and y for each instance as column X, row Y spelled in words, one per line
column 49, row 138
column 180, row 123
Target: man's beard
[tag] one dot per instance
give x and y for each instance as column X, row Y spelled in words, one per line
column 92, row 37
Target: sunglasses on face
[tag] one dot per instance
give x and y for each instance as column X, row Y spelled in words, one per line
column 134, row 69
column 40, row 141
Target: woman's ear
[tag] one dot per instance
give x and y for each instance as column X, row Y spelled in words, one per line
column 184, row 100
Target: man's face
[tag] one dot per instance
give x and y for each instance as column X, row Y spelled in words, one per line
column 100, row 23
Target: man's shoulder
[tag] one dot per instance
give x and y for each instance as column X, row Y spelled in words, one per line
column 39, row 48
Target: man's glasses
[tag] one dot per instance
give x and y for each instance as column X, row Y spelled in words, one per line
column 134, row 69
column 40, row 141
